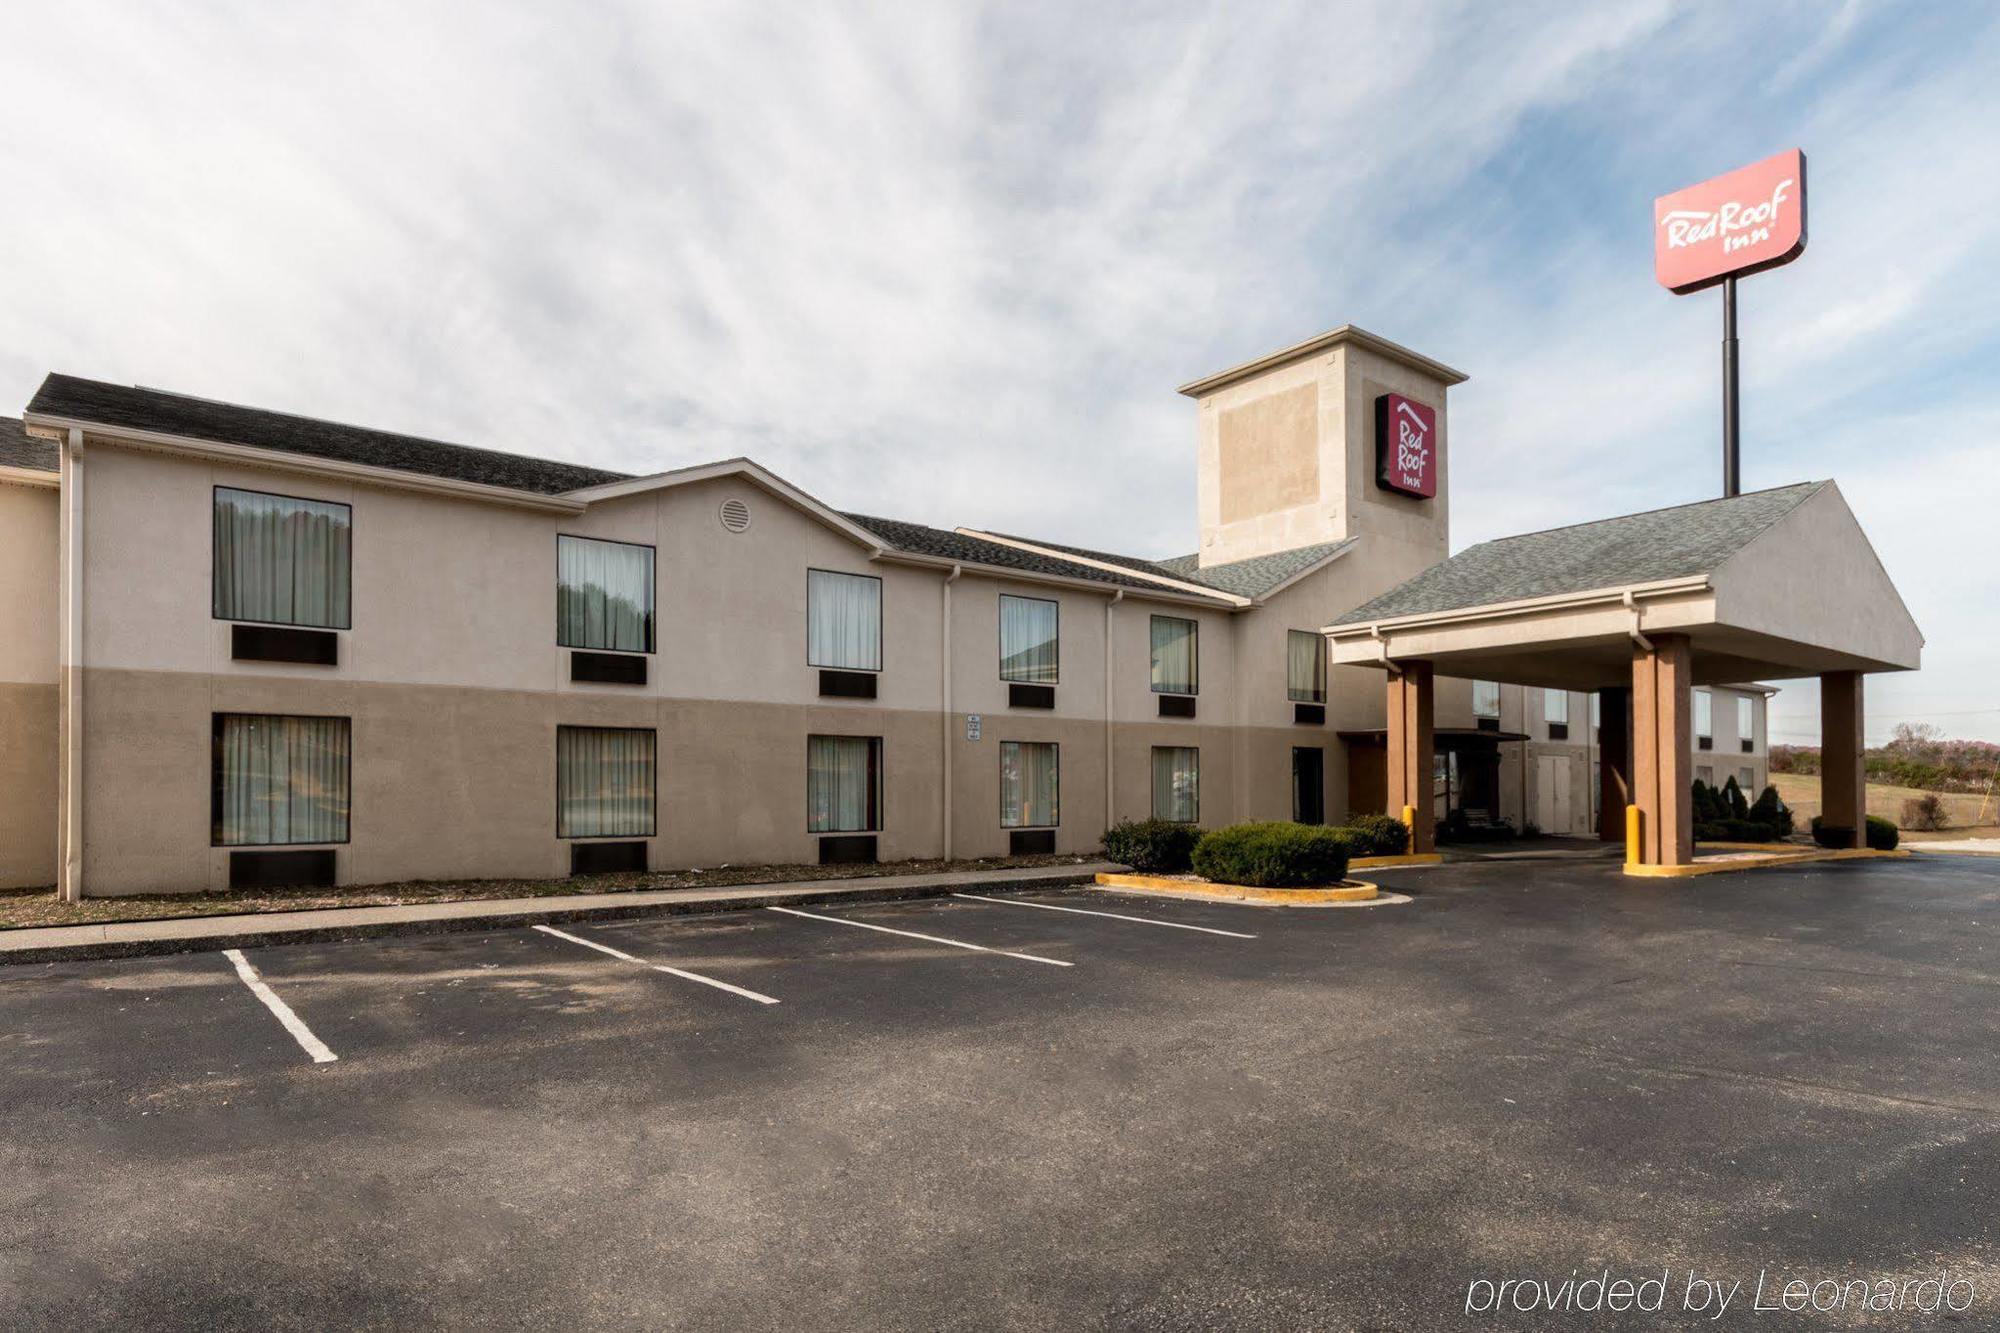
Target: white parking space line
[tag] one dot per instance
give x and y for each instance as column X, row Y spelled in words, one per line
column 934, row 939
column 682, row 973
column 1115, row 916
column 314, row 1047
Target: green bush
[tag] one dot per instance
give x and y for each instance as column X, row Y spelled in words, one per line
column 1272, row 855
column 1375, row 835
column 1882, row 834
column 1731, row 798
column 1734, row 830
column 1770, row 810
column 1151, row 844
column 1706, row 808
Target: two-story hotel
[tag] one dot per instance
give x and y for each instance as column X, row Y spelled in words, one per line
column 247, row 648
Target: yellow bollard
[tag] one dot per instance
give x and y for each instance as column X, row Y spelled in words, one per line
column 1410, row 818
column 1633, row 816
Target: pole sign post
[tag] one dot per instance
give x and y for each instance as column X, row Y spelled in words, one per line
column 1741, row 222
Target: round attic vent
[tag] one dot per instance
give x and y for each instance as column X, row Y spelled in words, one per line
column 735, row 515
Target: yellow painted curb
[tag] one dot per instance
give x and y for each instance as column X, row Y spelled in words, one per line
column 1353, row 891
column 1406, row 859
column 1796, row 857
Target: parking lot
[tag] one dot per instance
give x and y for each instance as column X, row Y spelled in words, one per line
column 976, row 1112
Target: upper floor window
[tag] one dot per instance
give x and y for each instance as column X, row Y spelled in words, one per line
column 1704, row 715
column 1555, row 711
column 281, row 561
column 1596, row 710
column 1305, row 667
column 279, row 781
column 843, row 621
column 1029, row 644
column 604, row 595
column 1746, row 725
column 1030, row 778
column 1486, row 698
column 1176, row 656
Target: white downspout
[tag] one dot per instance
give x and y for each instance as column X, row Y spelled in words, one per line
column 950, row 718
column 1110, row 695
column 72, row 650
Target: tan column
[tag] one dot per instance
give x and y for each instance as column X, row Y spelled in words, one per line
column 1614, row 761
column 1843, row 773
column 1411, row 745
column 1662, row 760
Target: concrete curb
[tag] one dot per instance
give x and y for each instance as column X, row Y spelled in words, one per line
column 173, row 935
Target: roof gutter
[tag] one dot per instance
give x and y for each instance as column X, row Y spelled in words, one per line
column 245, row 455
column 1109, row 567
column 1213, row 603
column 30, row 476
column 1659, row 588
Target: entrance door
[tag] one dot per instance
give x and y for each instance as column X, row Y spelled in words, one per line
column 1552, row 807
column 1308, row 785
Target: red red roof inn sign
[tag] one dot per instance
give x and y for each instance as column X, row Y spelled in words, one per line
column 1406, row 446
column 1743, row 221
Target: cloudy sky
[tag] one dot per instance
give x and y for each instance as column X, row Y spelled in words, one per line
column 948, row 263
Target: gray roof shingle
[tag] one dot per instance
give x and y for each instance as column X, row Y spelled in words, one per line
column 921, row 540
column 1244, row 578
column 19, row 449
column 1671, row 543
column 226, row 423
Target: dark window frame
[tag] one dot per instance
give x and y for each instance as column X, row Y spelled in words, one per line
column 1000, row 646
column 215, row 801
column 1196, row 672
column 605, row 837
column 214, row 562
column 652, row 615
column 878, row 786
column 881, row 622
column 1057, row 747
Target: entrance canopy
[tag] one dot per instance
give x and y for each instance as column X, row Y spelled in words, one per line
column 1778, row 583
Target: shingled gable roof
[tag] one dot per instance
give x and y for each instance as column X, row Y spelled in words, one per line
column 917, row 539
column 1680, row 542
column 22, row 450
column 1255, row 577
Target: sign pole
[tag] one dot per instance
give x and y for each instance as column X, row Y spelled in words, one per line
column 1732, row 414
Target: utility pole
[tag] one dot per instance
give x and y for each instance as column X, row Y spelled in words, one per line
column 1732, row 407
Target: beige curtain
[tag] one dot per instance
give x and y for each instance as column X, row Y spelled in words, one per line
column 1305, row 667
column 1028, row 647
column 605, row 783
column 284, row 780
column 843, row 784
column 843, row 621
column 1177, row 783
column 1176, row 661
column 1030, row 778
column 604, row 595
column 281, row 561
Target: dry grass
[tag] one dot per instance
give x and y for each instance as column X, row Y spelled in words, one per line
column 40, row 907
column 1801, row 793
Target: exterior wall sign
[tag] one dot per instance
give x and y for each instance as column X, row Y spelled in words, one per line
column 1744, row 221
column 972, row 726
column 1406, row 446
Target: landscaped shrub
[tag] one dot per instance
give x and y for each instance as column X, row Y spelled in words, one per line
column 1151, row 844
column 1924, row 813
column 1770, row 809
column 1732, row 801
column 1272, row 855
column 1701, row 798
column 1734, row 830
column 1881, row 835
column 1375, row 835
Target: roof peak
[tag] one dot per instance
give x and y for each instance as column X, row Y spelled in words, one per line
column 1663, row 509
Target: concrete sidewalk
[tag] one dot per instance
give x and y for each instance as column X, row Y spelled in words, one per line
column 194, row 934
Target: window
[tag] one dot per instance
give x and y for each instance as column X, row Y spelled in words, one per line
column 1596, row 711
column 1705, row 775
column 604, row 595
column 1305, row 667
column 281, row 561
column 1704, row 715
column 279, row 781
column 1555, row 706
column 1029, row 647
column 605, row 783
column 1746, row 725
column 843, row 784
column 1486, row 698
column 1746, row 782
column 1030, row 784
column 843, row 621
column 1176, row 656
column 1177, row 783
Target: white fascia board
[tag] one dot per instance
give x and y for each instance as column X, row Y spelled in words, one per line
column 283, row 461
column 1212, row 603
column 1108, row 566
column 750, row 471
column 1368, row 629
column 30, row 476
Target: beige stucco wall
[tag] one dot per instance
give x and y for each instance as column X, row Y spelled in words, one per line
column 28, row 607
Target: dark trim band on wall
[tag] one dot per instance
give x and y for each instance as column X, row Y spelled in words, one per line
column 1176, row 705
column 607, row 668
column 1312, row 715
column 606, row 858
column 1031, row 696
column 252, row 642
column 846, row 684
column 847, row 849
column 281, row 870
column 1031, row 842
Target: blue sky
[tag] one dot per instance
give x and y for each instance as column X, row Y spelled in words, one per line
column 948, row 262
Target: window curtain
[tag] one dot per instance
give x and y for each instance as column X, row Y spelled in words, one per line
column 1305, row 667
column 604, row 783
column 604, row 595
column 843, row 784
column 1029, row 784
column 1704, row 716
column 1555, row 706
column 1028, row 645
column 1175, row 660
column 843, row 621
column 1177, row 783
column 281, row 780
column 1486, row 698
column 281, row 561
column 1746, row 725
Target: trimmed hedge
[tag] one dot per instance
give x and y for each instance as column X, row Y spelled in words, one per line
column 1734, row 830
column 1272, row 855
column 1152, row 845
column 1882, row 834
column 1375, row 835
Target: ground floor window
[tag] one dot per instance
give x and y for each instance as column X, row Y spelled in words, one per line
column 1177, row 783
column 843, row 784
column 1308, row 785
column 1746, row 778
column 279, row 781
column 606, row 783
column 1030, row 784
column 1705, row 775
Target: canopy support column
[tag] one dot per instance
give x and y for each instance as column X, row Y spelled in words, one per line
column 1614, row 762
column 1843, row 773
column 1412, row 747
column 1663, row 761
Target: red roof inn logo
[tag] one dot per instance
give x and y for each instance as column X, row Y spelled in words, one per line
column 1406, row 446
column 1748, row 219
